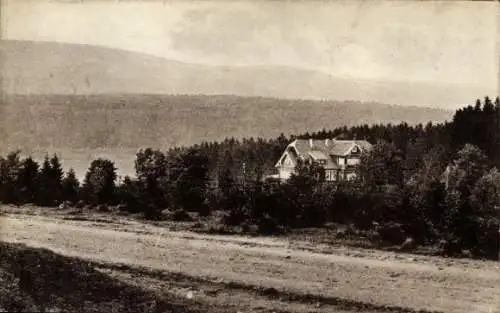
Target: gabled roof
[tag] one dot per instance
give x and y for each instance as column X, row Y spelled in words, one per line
column 317, row 155
column 365, row 145
column 325, row 149
column 329, row 146
column 341, row 147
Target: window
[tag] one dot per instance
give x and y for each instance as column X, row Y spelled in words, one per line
column 329, row 175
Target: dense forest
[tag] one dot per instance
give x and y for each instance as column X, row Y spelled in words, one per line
column 433, row 184
column 164, row 121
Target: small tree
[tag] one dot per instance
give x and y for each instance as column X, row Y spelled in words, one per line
column 383, row 165
column 188, row 180
column 29, row 180
column 99, row 183
column 57, row 174
column 50, row 182
column 469, row 166
column 485, row 203
column 151, row 170
column 10, row 169
column 426, row 197
column 129, row 194
column 463, row 216
column 226, row 189
column 70, row 187
column 43, row 195
column 303, row 188
column 150, row 164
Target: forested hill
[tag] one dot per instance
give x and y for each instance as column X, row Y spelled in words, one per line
column 164, row 121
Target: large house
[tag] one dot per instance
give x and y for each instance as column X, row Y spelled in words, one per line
column 338, row 157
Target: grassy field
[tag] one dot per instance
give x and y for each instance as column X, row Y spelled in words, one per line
column 34, row 280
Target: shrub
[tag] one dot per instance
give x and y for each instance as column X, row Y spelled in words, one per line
column 181, row 216
column 391, row 233
column 103, row 208
column 268, row 226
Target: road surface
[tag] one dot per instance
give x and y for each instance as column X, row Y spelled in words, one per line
column 264, row 273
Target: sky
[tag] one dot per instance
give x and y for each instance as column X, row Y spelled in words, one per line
column 424, row 41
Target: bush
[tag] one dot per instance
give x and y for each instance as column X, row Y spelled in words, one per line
column 216, row 227
column 450, row 247
column 488, row 240
column 150, row 212
column 235, row 217
column 80, row 204
column 103, row 208
column 181, row 216
column 391, row 233
column 347, row 232
column 268, row 226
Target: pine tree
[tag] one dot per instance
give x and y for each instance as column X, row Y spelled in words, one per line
column 43, row 197
column 50, row 182
column 56, row 176
column 29, row 180
column 10, row 169
column 488, row 106
column 70, row 187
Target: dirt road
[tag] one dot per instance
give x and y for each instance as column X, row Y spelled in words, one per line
column 253, row 273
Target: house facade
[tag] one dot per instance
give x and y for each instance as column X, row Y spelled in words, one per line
column 339, row 158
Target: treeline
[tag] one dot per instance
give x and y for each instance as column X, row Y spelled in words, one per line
column 432, row 184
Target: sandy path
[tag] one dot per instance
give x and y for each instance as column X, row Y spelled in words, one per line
column 374, row 277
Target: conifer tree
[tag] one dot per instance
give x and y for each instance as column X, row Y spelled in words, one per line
column 50, row 182
column 29, row 180
column 56, row 177
column 10, row 168
column 70, row 187
column 44, row 184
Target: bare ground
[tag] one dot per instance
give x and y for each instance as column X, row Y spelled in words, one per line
column 209, row 273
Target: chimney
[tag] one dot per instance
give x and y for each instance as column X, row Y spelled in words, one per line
column 310, row 142
column 327, row 141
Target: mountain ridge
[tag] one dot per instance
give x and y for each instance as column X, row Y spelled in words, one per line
column 62, row 68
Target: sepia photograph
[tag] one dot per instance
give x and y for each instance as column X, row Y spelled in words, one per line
column 249, row 156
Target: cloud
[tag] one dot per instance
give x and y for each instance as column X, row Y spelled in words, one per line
column 398, row 40
column 386, row 40
column 233, row 35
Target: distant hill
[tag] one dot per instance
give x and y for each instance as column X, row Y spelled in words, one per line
column 58, row 68
column 131, row 121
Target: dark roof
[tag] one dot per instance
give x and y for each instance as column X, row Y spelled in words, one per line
column 329, row 146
